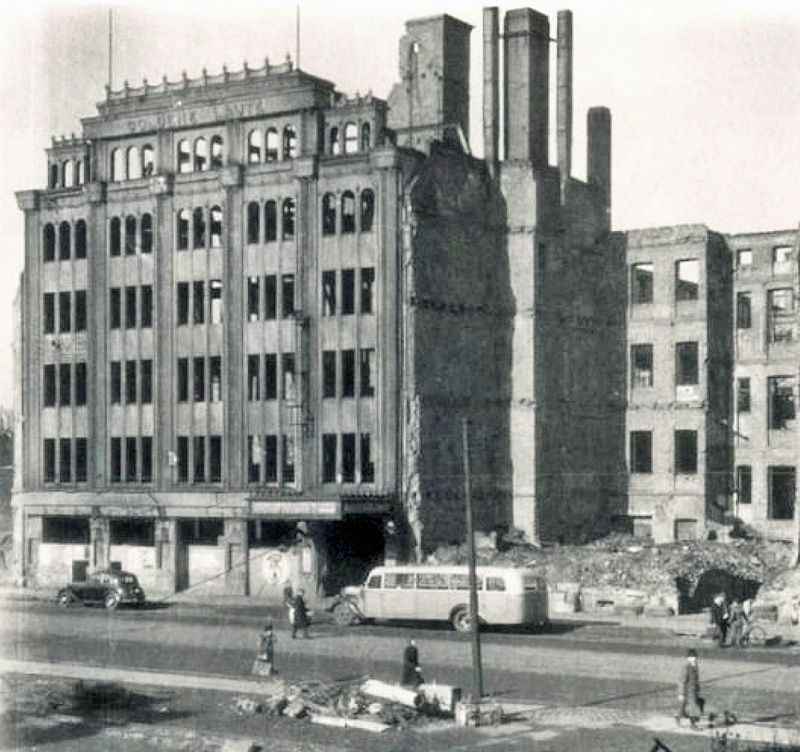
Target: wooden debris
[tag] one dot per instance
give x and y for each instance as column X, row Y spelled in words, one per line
column 384, row 691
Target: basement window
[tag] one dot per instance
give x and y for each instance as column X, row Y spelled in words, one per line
column 781, row 402
column 781, row 492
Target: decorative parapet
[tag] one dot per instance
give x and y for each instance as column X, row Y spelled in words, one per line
column 160, row 185
column 67, row 142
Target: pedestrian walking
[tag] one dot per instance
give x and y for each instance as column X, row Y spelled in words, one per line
column 737, row 623
column 299, row 613
column 412, row 673
column 264, row 664
column 720, row 618
column 691, row 704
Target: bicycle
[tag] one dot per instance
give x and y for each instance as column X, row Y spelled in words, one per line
column 753, row 636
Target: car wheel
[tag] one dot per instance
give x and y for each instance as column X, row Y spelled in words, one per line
column 461, row 620
column 343, row 615
column 64, row 599
column 111, row 601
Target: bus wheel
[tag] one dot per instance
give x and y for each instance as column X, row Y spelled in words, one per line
column 343, row 615
column 460, row 619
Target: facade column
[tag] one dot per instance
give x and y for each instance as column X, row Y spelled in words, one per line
column 100, row 542
column 236, row 555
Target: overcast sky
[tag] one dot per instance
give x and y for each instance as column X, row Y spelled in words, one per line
column 704, row 95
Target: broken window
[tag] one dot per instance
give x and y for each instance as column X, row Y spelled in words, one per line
column 183, row 303
column 65, row 383
column 215, row 300
column 641, row 366
column 49, row 386
column 686, row 367
column 366, row 136
column 685, row 452
column 252, row 299
column 254, row 146
column 367, row 209
column 216, row 226
column 329, row 214
column 348, row 373
column 367, row 371
column 287, row 295
column 348, row 291
column 328, row 374
column 130, row 459
column 198, row 302
column 80, row 384
column 348, row 212
column 81, row 467
column 781, row 402
column 253, row 389
column 80, row 239
column 147, row 306
column 782, row 259
column 288, row 459
column 64, row 242
column 329, row 458
column 287, row 218
column 115, row 308
column 130, row 235
column 687, row 279
column 183, row 229
column 65, row 461
column 781, row 492
column 270, row 376
column 130, row 307
column 183, row 459
column 215, row 378
column 184, row 156
column 781, row 315
column 642, row 283
column 215, row 459
column 744, row 258
column 148, row 161
column 115, row 237
column 117, row 166
column 198, row 228
column 744, row 484
column 270, row 222
column 130, row 382
column 49, row 243
column 334, row 145
column 367, row 463
column 270, row 459
column 743, row 395
column 199, row 458
column 116, row 460
column 64, row 312
column 744, row 317
column 270, row 297
column 183, row 379
column 253, row 219
column 49, row 460
column 67, row 173
column 134, row 166
column 641, row 451
column 217, row 156
column 199, row 379
column 200, row 154
column 350, row 138
column 147, row 233
column 146, row 386
column 348, row 457
column 287, row 370
column 49, row 315
column 289, row 142
column 272, row 145
column 116, row 382
column 367, row 285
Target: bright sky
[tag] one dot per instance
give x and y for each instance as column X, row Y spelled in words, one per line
column 704, row 94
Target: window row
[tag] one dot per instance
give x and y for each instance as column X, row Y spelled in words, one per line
column 782, row 257
column 199, row 459
column 133, row 231
column 780, row 313
column 64, row 460
column 132, row 163
column 347, row 302
column 345, row 374
column 200, row 155
column 347, row 212
column 269, row 146
column 686, row 281
column 141, row 314
column 134, row 464
column 349, row 139
column 687, row 371
column 58, row 312
column 64, row 384
column 345, row 461
column 685, row 452
column 205, row 379
column 262, row 297
column 270, row 233
column 199, row 301
column 206, row 228
column 69, row 173
column 64, row 243
column 132, row 378
column 781, row 396
column 264, row 460
column 781, row 490
column 262, row 377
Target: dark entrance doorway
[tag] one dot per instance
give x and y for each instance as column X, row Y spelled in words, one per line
column 354, row 545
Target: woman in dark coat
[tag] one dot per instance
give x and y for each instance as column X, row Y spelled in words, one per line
column 412, row 674
column 300, row 620
column 689, row 691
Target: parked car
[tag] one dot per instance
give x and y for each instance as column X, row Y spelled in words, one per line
column 106, row 587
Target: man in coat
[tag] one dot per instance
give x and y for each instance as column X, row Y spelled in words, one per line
column 691, row 704
column 412, row 673
column 300, row 612
column 720, row 618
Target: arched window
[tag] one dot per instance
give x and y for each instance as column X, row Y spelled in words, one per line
column 130, row 235
column 270, row 222
column 148, row 160
column 198, row 228
column 287, row 218
column 184, row 156
column 216, row 226
column 147, row 233
column 53, row 178
column 367, row 209
column 49, row 243
column 272, row 145
column 200, row 155
column 289, row 143
column 348, row 212
column 254, row 145
column 80, row 239
column 216, row 152
column 67, row 173
column 350, row 138
column 366, row 136
column 117, row 166
column 80, row 172
column 64, row 241
column 134, row 164
column 329, row 214
column 335, row 146
column 253, row 222
column 183, row 229
column 115, row 237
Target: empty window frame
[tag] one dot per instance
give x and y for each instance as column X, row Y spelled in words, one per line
column 64, row 312
column 348, row 212
column 781, row 482
column 273, row 145
column 183, row 379
column 49, row 243
column 270, row 376
column 134, row 164
column 182, row 230
column 215, row 378
column 348, row 292
column 287, row 218
column 115, row 391
column 328, row 374
column 744, row 258
column 253, row 308
column 686, row 364
column 289, row 142
column 334, row 146
column 270, row 297
column 199, row 379
column 687, row 280
column 130, row 235
column 270, row 222
column 744, row 484
column 130, row 382
column 641, row 452
column 782, row 259
column 781, row 390
column 117, row 165
column 198, row 228
column 255, row 143
column 67, row 173
column 200, row 154
column 49, row 313
column 348, row 458
column 147, row 233
column 148, row 160
column 367, row 373
column 64, row 241
column 287, row 295
column 685, row 452
column 130, row 307
column 287, row 377
column 367, row 209
column 366, row 136
column 253, row 377
column 329, row 293
column 217, row 153
column 184, row 156
column 367, row 289
column 329, row 457
column 215, row 229
column 744, row 310
column 350, row 138
column 253, row 223
column 781, row 315
column 743, row 394
column 288, row 463
column 215, row 300
column 329, row 214
column 641, row 366
column 80, row 383
column 367, row 461
column 641, row 283
column 146, row 292
column 348, row 373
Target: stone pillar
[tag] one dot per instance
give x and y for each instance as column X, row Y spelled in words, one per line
column 235, row 542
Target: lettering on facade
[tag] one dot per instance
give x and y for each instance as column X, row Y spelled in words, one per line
column 187, row 118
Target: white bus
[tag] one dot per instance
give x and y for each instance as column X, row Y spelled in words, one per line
column 441, row 593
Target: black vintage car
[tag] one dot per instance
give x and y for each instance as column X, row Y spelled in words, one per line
column 104, row 587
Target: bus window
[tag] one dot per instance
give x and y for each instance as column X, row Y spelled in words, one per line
column 431, row 581
column 374, row 582
column 495, row 583
column 461, row 582
column 393, row 581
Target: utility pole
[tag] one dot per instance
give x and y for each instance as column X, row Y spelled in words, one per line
column 477, row 674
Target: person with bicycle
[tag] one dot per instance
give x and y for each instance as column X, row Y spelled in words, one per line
column 738, row 624
column 720, row 618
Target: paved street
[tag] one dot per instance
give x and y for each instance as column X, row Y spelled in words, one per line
column 579, row 675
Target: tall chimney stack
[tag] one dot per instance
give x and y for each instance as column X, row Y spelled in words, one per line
column 598, row 152
column 491, row 88
column 526, row 71
column 564, row 98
